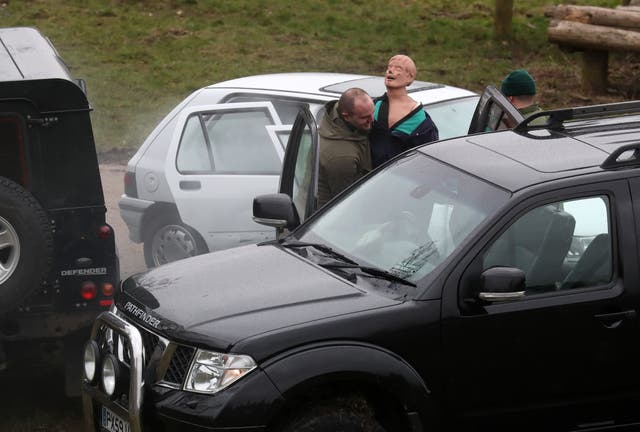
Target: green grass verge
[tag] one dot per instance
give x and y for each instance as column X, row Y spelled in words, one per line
column 140, row 58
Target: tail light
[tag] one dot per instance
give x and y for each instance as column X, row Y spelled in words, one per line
column 88, row 290
column 104, row 232
column 107, row 289
column 130, row 188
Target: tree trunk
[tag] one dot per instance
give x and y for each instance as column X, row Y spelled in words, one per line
column 596, row 15
column 593, row 37
column 503, row 19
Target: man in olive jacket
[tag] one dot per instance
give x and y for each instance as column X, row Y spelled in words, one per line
column 345, row 155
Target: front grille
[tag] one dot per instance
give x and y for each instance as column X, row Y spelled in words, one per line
column 155, row 346
column 149, row 343
column 179, row 366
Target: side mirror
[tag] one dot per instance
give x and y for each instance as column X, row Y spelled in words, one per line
column 502, row 284
column 275, row 210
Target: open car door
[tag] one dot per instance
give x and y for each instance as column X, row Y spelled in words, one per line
column 299, row 177
column 494, row 112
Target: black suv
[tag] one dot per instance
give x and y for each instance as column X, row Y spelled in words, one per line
column 58, row 263
column 485, row 282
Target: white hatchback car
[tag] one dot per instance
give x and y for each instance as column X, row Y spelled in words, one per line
column 190, row 186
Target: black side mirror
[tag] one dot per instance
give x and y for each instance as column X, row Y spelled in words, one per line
column 502, row 284
column 275, row 210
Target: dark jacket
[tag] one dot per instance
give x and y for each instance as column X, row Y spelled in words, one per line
column 344, row 154
column 412, row 130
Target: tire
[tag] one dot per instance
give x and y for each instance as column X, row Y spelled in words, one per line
column 167, row 240
column 26, row 245
column 344, row 415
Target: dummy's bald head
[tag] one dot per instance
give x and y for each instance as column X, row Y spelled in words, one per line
column 406, row 62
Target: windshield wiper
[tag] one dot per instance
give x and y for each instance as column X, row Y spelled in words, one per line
column 321, row 247
column 373, row 271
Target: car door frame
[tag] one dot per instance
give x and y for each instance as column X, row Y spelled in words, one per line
column 493, row 97
column 462, row 320
column 304, row 119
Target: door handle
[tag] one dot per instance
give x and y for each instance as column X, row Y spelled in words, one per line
column 189, row 185
column 615, row 319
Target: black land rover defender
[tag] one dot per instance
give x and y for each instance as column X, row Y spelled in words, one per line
column 58, row 262
column 487, row 282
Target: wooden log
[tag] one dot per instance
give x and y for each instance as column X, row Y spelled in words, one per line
column 629, row 9
column 595, row 15
column 593, row 37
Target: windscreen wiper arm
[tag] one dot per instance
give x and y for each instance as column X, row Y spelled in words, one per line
column 373, row 271
column 321, row 247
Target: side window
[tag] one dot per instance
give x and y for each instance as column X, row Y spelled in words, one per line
column 228, row 142
column 498, row 120
column 562, row 245
column 12, row 149
column 193, row 153
column 287, row 109
column 303, row 173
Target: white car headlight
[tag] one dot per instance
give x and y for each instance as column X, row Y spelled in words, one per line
column 211, row 372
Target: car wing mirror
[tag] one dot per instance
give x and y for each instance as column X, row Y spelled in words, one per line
column 502, row 284
column 275, row 210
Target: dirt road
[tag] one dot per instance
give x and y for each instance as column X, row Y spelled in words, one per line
column 131, row 255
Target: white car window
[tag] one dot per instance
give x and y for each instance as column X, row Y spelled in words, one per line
column 229, row 142
column 453, row 117
column 193, row 156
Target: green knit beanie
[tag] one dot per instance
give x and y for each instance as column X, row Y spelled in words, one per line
column 518, row 83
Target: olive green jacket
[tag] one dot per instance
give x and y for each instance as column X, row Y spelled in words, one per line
column 344, row 156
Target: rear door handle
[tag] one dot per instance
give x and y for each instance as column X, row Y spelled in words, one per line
column 615, row 319
column 189, row 185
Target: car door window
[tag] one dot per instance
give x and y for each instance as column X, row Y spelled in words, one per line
column 286, row 108
column 563, row 245
column 303, row 173
column 193, row 154
column 229, row 142
column 494, row 112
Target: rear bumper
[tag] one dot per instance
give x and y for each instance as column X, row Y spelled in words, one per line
column 132, row 211
column 44, row 325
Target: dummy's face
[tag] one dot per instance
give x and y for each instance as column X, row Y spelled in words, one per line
column 362, row 116
column 400, row 72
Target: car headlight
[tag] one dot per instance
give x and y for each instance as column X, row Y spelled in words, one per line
column 211, row 372
column 91, row 360
column 110, row 374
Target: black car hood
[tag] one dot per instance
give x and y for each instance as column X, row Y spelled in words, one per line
column 219, row 299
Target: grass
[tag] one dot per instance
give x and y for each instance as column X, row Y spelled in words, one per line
column 140, row 58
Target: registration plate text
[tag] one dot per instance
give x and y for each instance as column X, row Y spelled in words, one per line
column 112, row 422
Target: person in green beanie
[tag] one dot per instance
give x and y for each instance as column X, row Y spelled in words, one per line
column 520, row 88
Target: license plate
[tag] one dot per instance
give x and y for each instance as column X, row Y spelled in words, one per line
column 112, row 422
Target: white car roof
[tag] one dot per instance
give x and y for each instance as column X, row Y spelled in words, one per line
column 333, row 84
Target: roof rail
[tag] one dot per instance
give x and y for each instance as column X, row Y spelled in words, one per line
column 556, row 118
column 613, row 161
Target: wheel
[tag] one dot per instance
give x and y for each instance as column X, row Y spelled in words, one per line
column 168, row 240
column 348, row 415
column 26, row 245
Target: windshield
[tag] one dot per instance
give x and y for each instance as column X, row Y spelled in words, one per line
column 408, row 218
